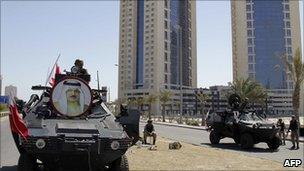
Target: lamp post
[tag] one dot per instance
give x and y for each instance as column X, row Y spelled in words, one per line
column 180, row 55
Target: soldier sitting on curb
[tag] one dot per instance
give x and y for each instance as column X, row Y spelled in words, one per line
column 149, row 132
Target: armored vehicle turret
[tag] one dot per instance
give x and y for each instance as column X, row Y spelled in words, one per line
column 71, row 128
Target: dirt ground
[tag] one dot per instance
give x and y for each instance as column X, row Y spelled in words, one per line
column 191, row 157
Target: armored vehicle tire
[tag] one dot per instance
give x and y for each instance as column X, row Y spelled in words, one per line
column 214, row 137
column 246, row 141
column 120, row 164
column 26, row 162
column 274, row 143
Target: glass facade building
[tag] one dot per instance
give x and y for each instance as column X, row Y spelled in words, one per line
column 268, row 27
column 157, row 49
column 180, row 43
column 140, row 44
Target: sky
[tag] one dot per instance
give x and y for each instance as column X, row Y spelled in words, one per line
column 33, row 33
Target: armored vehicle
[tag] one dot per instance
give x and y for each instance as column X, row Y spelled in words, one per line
column 245, row 126
column 71, row 128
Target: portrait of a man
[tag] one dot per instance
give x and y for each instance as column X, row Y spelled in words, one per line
column 69, row 98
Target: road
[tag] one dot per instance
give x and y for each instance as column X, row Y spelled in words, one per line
column 9, row 154
column 201, row 138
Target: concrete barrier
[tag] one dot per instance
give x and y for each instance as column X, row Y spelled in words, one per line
column 4, row 114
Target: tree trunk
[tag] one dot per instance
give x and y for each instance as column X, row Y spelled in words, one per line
column 296, row 100
column 163, row 113
column 203, row 117
column 149, row 114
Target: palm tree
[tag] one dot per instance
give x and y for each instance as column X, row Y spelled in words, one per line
column 139, row 101
column 203, row 99
column 250, row 90
column 164, row 98
column 296, row 68
column 131, row 102
column 150, row 100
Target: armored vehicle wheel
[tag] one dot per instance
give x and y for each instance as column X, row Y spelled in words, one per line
column 26, row 162
column 214, row 137
column 274, row 143
column 120, row 164
column 247, row 141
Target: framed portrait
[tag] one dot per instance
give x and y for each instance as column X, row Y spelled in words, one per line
column 71, row 97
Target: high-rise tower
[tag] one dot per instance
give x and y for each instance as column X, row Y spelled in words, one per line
column 263, row 32
column 157, row 47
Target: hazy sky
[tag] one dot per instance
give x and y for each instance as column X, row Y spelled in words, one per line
column 33, row 33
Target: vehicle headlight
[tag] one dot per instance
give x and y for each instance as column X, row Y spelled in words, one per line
column 115, row 145
column 40, row 143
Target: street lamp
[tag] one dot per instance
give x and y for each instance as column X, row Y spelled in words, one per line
column 180, row 55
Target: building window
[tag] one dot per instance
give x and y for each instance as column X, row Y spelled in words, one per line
column 290, row 58
column 286, row 7
column 287, row 15
column 289, row 50
column 251, row 67
column 251, row 76
column 249, row 24
column 250, row 50
column 249, row 41
column 166, row 78
column 166, row 67
column 166, row 35
column 166, row 24
column 288, row 32
column 166, row 46
column 166, row 56
column 250, row 59
column 166, row 14
column 249, row 33
column 287, row 24
column 166, row 3
column 249, row 16
column 288, row 41
column 248, row 7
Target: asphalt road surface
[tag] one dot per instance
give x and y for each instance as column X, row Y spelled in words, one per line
column 9, row 154
column 201, row 138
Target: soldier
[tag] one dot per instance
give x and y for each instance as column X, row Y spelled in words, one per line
column 281, row 126
column 79, row 64
column 294, row 128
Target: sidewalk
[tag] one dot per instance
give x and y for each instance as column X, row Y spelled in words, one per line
column 301, row 139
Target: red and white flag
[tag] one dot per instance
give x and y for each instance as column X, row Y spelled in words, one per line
column 57, row 71
column 17, row 123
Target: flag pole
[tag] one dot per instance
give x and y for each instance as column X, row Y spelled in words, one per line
column 50, row 75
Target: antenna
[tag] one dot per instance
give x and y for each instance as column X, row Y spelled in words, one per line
column 98, row 87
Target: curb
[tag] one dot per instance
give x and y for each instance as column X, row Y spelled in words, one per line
column 181, row 126
column 199, row 128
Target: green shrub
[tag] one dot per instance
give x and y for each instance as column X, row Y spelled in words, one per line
column 192, row 122
column 3, row 107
